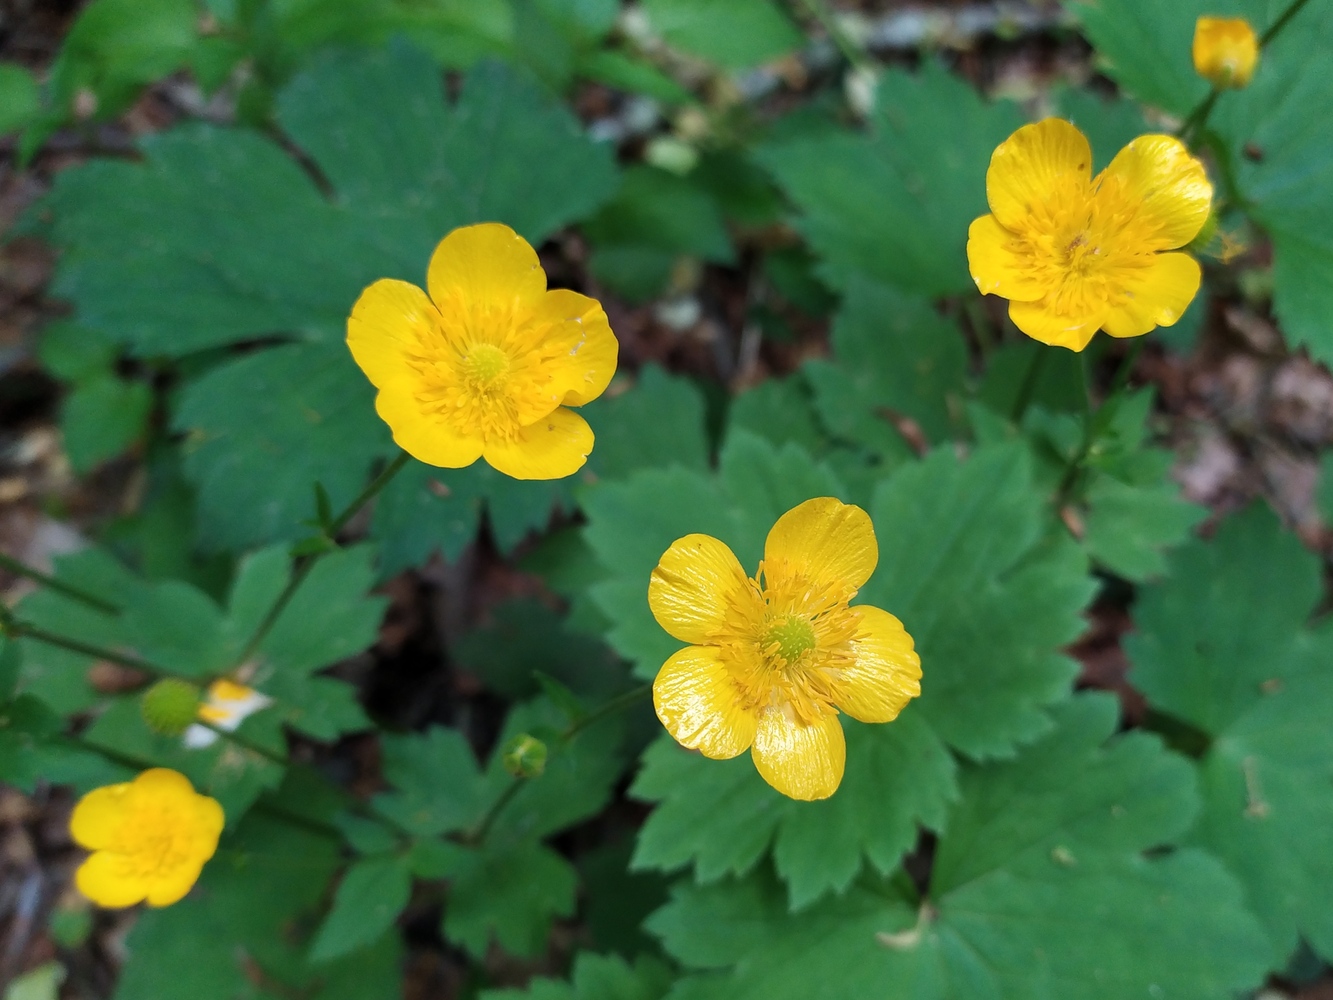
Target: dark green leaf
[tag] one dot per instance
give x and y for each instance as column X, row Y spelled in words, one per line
column 369, row 898
column 510, row 894
column 733, row 33
column 597, row 977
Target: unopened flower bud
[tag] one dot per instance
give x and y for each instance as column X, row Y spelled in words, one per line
column 525, row 756
column 169, row 706
column 1226, row 50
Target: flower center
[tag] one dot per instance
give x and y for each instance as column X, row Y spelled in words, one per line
column 485, row 366
column 793, row 636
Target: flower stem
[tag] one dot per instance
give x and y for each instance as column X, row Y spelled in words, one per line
column 12, row 565
column 1096, row 424
column 1029, row 385
column 16, row 629
column 306, row 563
column 1276, row 27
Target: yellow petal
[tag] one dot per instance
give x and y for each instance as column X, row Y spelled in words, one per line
column 391, row 321
column 162, row 782
column 209, row 820
column 1037, row 162
column 108, row 880
column 174, row 886
column 801, row 762
column 425, row 435
column 700, row 706
column 994, row 267
column 887, row 672
column 1041, row 323
column 1157, row 295
column 692, row 586
column 486, row 273
column 830, row 541
column 581, row 350
column 554, row 447
column 98, row 815
column 1165, row 188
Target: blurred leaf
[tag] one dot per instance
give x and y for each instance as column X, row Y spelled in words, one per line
column 33, row 751
column 241, row 933
column 893, row 356
column 1224, row 644
column 231, row 243
column 511, row 894
column 436, row 781
column 369, row 898
column 615, row 900
column 626, row 72
column 1039, row 883
column 101, row 418
column 723, row 817
column 597, row 977
column 733, row 33
column 893, row 204
column 117, row 46
column 657, row 422
column 20, row 99
column 1109, row 124
column 780, row 410
column 1128, row 526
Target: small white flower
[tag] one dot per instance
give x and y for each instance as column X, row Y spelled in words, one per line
column 226, row 706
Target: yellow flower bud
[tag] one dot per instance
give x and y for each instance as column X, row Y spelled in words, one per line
column 1226, row 50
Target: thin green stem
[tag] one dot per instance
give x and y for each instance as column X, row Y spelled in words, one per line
column 14, row 566
column 1096, row 424
column 478, row 833
column 851, row 51
column 1276, row 27
column 1030, row 380
column 307, row 563
column 23, row 630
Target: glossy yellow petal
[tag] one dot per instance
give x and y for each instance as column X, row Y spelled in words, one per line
column 98, row 815
column 1157, row 295
column 1226, row 50
column 162, row 781
column 801, row 762
column 1038, row 162
column 1042, row 323
column 580, row 348
column 887, row 672
column 391, row 321
column 825, row 539
column 110, row 880
column 1162, row 187
column 486, row 274
column 425, row 435
column 554, row 447
column 175, row 885
column 700, row 705
column 693, row 585
column 994, row 266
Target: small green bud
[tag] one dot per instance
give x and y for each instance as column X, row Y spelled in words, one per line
column 525, row 756
column 169, row 706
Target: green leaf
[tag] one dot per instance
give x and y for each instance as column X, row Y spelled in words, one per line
column 893, row 204
column 735, row 34
column 966, row 562
column 615, row 900
column 101, row 418
column 34, row 752
column 894, row 356
column 436, row 780
column 722, row 817
column 1224, row 643
column 1109, row 125
column 780, row 410
column 1284, row 169
column 658, row 421
column 239, row 251
column 368, row 901
column 20, row 100
column 510, row 894
column 246, row 924
column 1040, row 888
column 597, row 977
column 1128, row 526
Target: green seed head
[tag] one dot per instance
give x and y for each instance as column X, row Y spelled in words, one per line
column 793, row 637
column 169, row 706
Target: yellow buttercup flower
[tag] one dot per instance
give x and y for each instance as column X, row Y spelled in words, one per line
column 150, row 838
column 486, row 365
column 1074, row 254
column 1226, row 50
column 774, row 658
